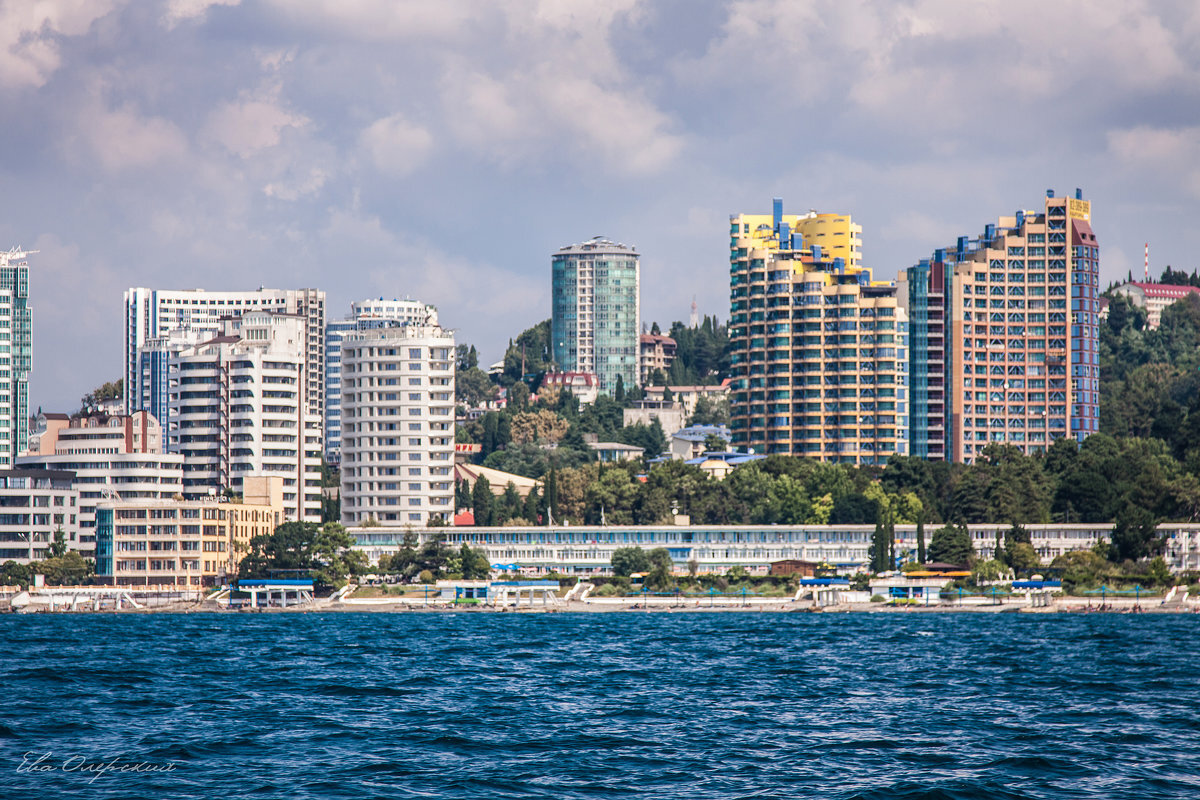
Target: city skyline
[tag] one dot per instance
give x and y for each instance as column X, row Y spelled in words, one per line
column 439, row 151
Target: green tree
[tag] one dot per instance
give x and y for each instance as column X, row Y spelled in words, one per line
column 482, row 501
column 474, row 563
column 14, row 574
column 660, row 574
column 628, row 560
column 1135, row 534
column 921, row 540
column 58, row 547
column 112, row 390
column 951, row 544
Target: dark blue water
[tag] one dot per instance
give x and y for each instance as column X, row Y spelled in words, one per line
column 599, row 706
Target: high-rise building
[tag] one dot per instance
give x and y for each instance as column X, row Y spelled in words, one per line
column 364, row 315
column 398, row 425
column 16, row 333
column 152, row 316
column 237, row 409
column 595, row 324
column 1005, row 339
column 819, row 352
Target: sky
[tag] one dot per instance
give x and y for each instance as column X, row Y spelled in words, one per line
column 443, row 150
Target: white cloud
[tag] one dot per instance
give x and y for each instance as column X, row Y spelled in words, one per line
column 186, row 10
column 246, row 126
column 122, row 138
column 396, row 145
column 297, row 183
column 1172, row 154
column 382, row 20
column 31, row 36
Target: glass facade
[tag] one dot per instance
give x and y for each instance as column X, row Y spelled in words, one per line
column 16, row 354
column 595, row 322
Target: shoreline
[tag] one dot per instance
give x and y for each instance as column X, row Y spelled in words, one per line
column 581, row 607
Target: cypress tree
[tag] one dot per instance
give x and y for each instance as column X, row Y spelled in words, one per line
column 891, row 540
column 552, row 493
column 921, row 539
column 530, row 511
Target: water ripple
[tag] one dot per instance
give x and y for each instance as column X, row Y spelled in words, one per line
column 604, row 706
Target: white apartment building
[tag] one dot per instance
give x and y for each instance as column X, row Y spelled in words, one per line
column 237, row 408
column 113, row 458
column 398, row 425
column 151, row 315
column 35, row 503
column 364, row 315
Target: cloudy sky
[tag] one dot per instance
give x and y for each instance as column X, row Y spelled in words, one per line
column 443, row 150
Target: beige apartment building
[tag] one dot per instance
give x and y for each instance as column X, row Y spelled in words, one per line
column 184, row 542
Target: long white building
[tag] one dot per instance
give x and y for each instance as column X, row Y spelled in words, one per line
column 237, row 408
column 398, row 425
column 586, row 550
column 364, row 314
column 151, row 315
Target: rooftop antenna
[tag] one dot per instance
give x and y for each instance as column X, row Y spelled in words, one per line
column 694, row 321
column 1147, row 262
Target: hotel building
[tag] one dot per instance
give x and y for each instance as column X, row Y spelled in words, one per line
column 34, row 503
column 152, row 315
column 398, row 425
column 236, row 409
column 188, row 543
column 1154, row 297
column 16, row 353
column 715, row 549
column 364, row 315
column 595, row 322
column 1004, row 340
column 819, row 362
column 113, row 458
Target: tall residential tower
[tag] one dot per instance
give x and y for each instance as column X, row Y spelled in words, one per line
column 364, row 315
column 155, row 319
column 595, row 324
column 819, row 360
column 398, row 425
column 16, row 345
column 1005, row 338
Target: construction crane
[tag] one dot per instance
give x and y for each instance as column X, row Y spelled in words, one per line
column 15, row 254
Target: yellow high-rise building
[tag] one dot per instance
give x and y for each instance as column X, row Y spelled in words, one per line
column 819, row 352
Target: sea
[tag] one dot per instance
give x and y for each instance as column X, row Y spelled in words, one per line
column 617, row 705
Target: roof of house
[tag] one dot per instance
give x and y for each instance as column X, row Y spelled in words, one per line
column 698, row 433
column 1164, row 289
column 497, row 479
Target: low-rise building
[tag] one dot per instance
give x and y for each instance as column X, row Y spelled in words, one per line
column 34, row 504
column 609, row 452
column 689, row 395
column 118, row 457
column 94, row 434
column 657, row 352
column 585, row 386
column 1154, row 297
column 690, row 442
column 670, row 415
column 587, row 549
column 184, row 542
